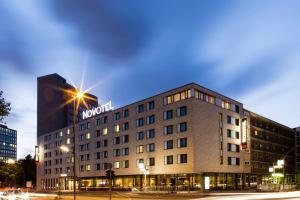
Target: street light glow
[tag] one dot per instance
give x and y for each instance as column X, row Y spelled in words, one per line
column 64, row 148
column 80, row 94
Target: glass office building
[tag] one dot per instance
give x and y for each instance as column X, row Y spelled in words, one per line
column 8, row 144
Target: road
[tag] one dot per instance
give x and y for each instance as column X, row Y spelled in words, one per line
column 193, row 196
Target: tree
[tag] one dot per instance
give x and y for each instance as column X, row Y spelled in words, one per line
column 29, row 168
column 4, row 107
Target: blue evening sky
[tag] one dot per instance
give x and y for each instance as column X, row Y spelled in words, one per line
column 132, row 49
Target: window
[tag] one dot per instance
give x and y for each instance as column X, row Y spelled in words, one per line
column 125, row 163
column 151, row 119
column 105, row 143
column 105, row 154
column 98, row 144
column 140, row 108
column 125, row 151
column 104, row 131
column 169, row 129
column 151, row 161
column 68, row 141
column 182, row 158
column 233, row 161
column 116, row 140
column 138, row 161
column 182, row 142
column 150, row 105
column 233, row 134
column 87, row 136
column 178, row 97
column 182, row 111
column 88, row 125
column 233, row 147
column 168, row 160
column 98, row 133
column 117, row 116
column 182, row 127
column 125, row 113
column 168, row 144
column 140, row 122
column 117, row 164
column 168, row 114
column 125, row 138
column 98, row 155
column 233, row 121
column 117, row 152
column 105, row 120
column 140, row 135
column 126, row 126
column 151, row 133
column 140, row 149
column 151, row 147
column 117, row 128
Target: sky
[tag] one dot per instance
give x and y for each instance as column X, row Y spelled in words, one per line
column 131, row 49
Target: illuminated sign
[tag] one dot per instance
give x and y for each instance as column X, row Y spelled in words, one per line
column 280, row 162
column 244, row 133
column 277, row 175
column 98, row 110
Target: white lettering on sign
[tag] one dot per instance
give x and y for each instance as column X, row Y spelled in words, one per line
column 96, row 111
column 244, row 131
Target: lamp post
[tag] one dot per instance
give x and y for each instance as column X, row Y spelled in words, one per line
column 146, row 171
column 77, row 95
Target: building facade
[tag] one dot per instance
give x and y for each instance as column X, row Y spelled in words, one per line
column 181, row 137
column 8, row 144
column 54, row 111
column 297, row 139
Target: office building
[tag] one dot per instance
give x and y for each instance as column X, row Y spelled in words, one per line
column 8, row 144
column 182, row 138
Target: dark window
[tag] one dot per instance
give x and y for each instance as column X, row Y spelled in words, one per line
column 117, row 140
column 140, row 135
column 126, row 113
column 98, row 133
column 151, row 119
column 151, row 105
column 126, row 126
column 105, row 120
column 237, row 122
column 168, row 114
column 182, row 111
column 169, row 144
column 126, row 151
column 126, row 164
column 183, row 158
column 98, row 144
column 151, row 161
column 125, row 138
column 151, row 133
column 105, row 143
column 117, row 116
column 182, row 142
column 140, row 122
column 182, row 127
column 169, row 160
column 140, row 108
column 98, row 155
column 169, row 129
column 151, row 147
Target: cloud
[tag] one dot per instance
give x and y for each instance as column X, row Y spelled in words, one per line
column 103, row 28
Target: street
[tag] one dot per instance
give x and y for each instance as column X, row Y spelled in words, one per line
column 148, row 196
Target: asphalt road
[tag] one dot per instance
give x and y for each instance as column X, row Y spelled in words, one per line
column 201, row 196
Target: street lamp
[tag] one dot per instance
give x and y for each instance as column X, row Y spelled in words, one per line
column 146, row 171
column 78, row 95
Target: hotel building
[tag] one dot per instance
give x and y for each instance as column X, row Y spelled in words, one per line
column 8, row 144
column 183, row 137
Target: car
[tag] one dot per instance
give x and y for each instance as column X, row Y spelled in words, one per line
column 15, row 194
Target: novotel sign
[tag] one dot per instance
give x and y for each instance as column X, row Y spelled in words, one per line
column 98, row 110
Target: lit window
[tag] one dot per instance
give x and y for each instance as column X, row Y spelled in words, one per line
column 68, row 131
column 87, row 136
column 60, row 133
column 68, row 141
column 88, row 167
column 117, row 164
column 140, row 149
column 104, row 131
column 117, row 128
